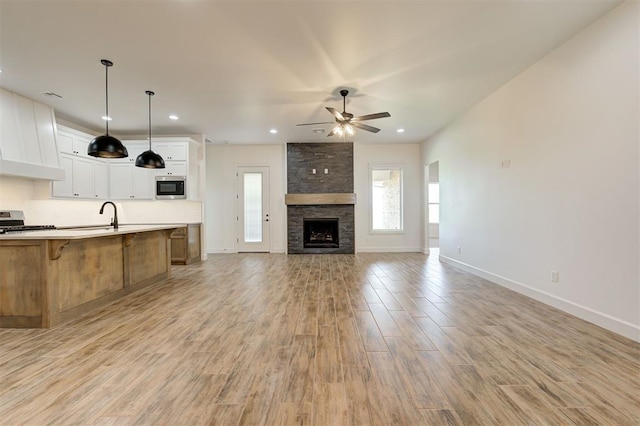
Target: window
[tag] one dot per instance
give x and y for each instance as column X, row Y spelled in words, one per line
column 386, row 199
column 434, row 202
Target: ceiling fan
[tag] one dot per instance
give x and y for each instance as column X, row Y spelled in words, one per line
column 347, row 122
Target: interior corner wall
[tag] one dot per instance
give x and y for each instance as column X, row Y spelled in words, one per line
column 570, row 199
column 408, row 157
column 220, row 205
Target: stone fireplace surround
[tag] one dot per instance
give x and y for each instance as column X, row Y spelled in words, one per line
column 320, row 195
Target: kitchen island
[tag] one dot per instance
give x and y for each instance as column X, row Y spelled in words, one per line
column 48, row 277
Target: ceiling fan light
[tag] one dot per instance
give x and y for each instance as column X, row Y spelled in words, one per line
column 349, row 129
column 338, row 130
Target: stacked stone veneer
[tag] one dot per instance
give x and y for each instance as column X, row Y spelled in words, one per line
column 302, row 158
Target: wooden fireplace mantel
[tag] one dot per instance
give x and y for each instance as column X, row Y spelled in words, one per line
column 319, row 199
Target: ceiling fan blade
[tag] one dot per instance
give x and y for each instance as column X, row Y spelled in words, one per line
column 330, row 133
column 335, row 113
column 372, row 116
column 313, row 124
column 365, row 127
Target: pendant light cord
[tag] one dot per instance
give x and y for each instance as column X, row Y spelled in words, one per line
column 106, row 88
column 150, row 93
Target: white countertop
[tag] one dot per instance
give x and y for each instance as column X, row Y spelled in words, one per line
column 80, row 232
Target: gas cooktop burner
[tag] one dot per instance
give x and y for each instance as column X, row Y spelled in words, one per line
column 21, row 228
column 13, row 221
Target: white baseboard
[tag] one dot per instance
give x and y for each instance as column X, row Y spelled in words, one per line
column 222, row 251
column 234, row 251
column 388, row 250
column 608, row 322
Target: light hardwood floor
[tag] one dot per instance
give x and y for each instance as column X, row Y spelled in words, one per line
column 262, row 339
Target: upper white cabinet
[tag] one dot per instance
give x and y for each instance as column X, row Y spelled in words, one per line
column 129, row 182
column 27, row 138
column 182, row 157
column 73, row 142
column 84, row 178
column 134, row 148
column 118, row 178
column 172, row 151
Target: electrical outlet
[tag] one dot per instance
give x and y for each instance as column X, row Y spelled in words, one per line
column 554, row 276
column 505, row 164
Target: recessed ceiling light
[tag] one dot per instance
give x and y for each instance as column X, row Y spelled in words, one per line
column 106, row 118
column 273, row 131
column 400, row 130
column 173, row 117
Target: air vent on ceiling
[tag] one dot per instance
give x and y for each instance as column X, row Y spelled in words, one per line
column 318, row 130
column 52, row 95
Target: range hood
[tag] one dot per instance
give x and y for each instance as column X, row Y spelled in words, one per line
column 28, row 138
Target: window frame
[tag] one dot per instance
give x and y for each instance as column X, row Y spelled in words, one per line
column 386, row 166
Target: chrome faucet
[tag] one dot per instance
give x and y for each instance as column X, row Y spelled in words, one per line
column 114, row 221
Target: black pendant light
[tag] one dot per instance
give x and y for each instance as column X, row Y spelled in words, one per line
column 150, row 159
column 107, row 146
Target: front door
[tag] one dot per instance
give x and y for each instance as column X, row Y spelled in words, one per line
column 253, row 209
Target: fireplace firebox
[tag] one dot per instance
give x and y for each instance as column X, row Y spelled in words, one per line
column 321, row 233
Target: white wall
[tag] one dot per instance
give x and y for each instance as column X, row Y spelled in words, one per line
column 17, row 192
column 408, row 157
column 570, row 200
column 222, row 161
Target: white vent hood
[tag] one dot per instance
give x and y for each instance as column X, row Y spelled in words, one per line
column 28, row 138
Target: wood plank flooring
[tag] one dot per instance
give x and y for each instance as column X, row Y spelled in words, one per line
column 370, row 339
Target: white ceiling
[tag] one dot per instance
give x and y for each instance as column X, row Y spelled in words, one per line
column 233, row 70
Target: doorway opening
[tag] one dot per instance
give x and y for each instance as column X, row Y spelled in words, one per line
column 433, row 205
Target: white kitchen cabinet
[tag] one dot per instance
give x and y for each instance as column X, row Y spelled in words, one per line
column 128, row 182
column 83, row 178
column 173, row 168
column 79, row 179
column 101, row 181
column 134, row 148
column 172, row 151
column 73, row 142
column 64, row 188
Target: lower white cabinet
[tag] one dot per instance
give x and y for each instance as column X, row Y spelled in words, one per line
column 84, row 178
column 129, row 182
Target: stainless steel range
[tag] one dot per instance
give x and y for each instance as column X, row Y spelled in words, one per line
column 13, row 221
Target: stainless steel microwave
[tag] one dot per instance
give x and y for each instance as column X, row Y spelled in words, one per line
column 171, row 187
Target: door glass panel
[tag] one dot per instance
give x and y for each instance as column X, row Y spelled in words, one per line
column 252, row 207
